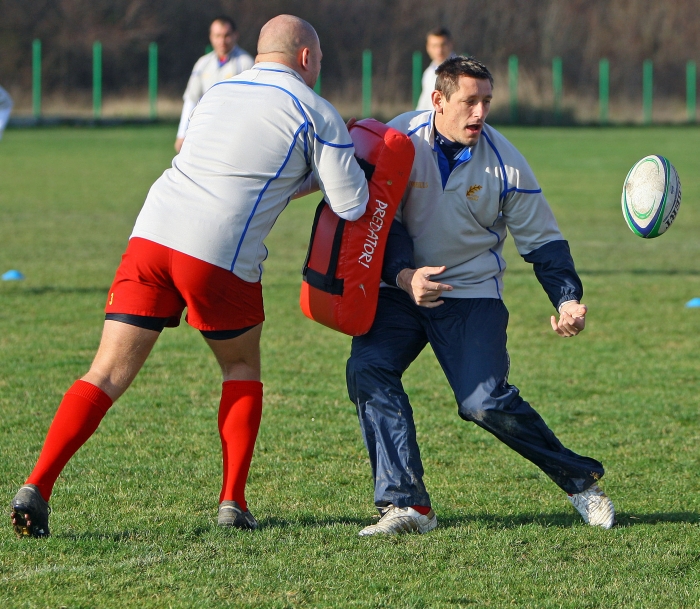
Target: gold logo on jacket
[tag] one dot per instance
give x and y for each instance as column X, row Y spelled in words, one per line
column 418, row 184
column 471, row 193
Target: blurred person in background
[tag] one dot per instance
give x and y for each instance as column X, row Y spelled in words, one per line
column 225, row 61
column 5, row 109
column 438, row 45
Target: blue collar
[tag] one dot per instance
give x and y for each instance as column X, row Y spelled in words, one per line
column 227, row 58
column 447, row 166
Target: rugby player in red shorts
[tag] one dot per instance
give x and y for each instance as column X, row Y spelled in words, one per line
column 253, row 143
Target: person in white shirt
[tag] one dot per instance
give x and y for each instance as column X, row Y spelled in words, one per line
column 5, row 109
column 225, row 60
column 254, row 142
column 468, row 187
column 438, row 45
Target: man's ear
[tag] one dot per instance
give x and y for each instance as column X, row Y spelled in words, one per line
column 303, row 57
column 438, row 100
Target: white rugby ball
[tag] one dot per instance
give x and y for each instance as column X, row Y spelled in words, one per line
column 651, row 196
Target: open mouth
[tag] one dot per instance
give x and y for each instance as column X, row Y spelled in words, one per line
column 474, row 129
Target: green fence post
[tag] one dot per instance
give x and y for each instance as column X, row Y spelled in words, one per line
column 690, row 90
column 648, row 86
column 97, row 79
column 366, row 83
column 417, row 84
column 557, row 85
column 36, row 78
column 513, row 85
column 317, row 86
column 153, row 79
column 604, row 89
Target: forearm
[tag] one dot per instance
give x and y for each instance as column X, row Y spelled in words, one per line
column 187, row 108
column 398, row 255
column 554, row 269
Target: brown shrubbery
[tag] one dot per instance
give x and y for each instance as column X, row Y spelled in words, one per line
column 578, row 31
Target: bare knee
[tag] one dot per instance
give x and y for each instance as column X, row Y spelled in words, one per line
column 239, row 358
column 123, row 350
column 241, row 371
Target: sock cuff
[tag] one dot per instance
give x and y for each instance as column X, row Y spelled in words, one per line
column 252, row 388
column 92, row 393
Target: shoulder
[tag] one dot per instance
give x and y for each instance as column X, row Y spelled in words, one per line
column 324, row 118
column 411, row 123
column 495, row 149
column 501, row 146
column 239, row 52
column 328, row 124
column 243, row 56
column 201, row 62
column 430, row 70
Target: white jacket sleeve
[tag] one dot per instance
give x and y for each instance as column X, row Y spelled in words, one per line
column 187, row 108
column 5, row 109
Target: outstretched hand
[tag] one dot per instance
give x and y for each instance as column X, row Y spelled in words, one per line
column 572, row 319
column 423, row 291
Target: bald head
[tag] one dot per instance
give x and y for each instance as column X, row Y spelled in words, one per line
column 286, row 34
column 291, row 41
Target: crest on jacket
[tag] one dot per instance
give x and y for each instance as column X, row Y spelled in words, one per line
column 471, row 192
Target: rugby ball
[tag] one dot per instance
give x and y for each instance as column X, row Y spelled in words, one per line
column 651, row 196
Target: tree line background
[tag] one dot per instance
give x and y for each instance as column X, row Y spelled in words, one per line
column 579, row 31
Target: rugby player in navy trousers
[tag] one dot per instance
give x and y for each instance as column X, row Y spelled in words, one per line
column 443, row 272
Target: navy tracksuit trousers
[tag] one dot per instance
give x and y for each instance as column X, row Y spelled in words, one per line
column 468, row 337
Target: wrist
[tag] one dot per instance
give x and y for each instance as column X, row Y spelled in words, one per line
column 567, row 302
column 403, row 279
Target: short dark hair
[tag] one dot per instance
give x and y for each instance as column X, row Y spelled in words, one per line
column 442, row 32
column 226, row 20
column 449, row 71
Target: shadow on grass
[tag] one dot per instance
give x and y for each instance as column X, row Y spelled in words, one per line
column 651, row 272
column 52, row 289
column 314, row 522
column 489, row 520
column 559, row 519
column 551, row 520
column 131, row 535
column 658, row 518
column 564, row 520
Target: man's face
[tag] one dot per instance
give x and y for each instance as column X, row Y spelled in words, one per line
column 462, row 118
column 439, row 48
column 222, row 38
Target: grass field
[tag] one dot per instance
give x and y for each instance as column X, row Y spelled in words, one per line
column 134, row 511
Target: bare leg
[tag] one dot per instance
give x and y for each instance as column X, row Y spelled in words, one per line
column 122, row 352
column 239, row 357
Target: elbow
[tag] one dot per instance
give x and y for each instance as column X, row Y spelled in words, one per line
column 355, row 213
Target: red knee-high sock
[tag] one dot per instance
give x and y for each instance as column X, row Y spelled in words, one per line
column 240, row 411
column 77, row 418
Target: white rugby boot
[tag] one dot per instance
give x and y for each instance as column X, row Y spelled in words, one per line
column 396, row 520
column 595, row 507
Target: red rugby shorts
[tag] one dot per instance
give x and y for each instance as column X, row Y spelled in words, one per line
column 156, row 281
